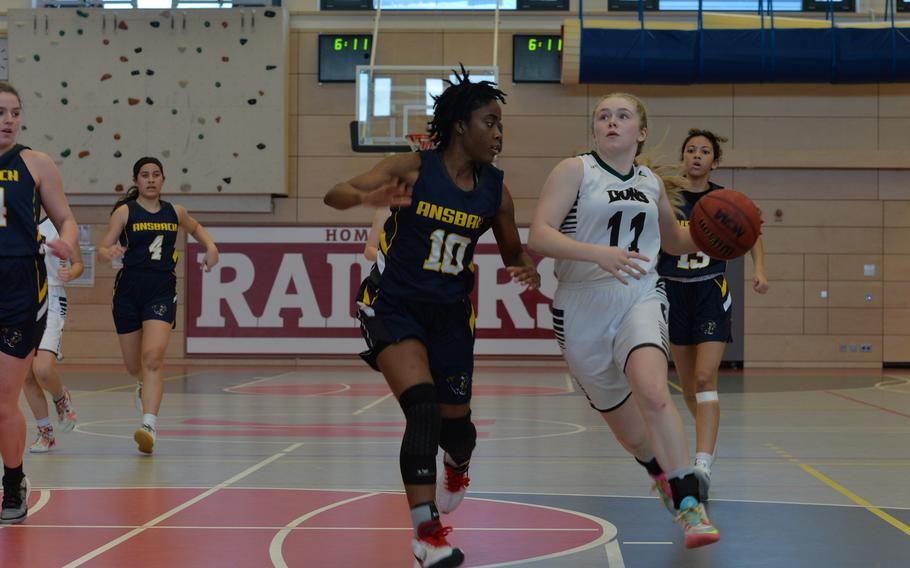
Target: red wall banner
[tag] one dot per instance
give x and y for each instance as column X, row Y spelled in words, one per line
column 289, row 291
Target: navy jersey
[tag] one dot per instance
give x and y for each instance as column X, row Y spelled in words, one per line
column 20, row 206
column 149, row 238
column 695, row 266
column 426, row 250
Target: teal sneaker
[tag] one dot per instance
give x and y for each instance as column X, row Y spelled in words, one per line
column 697, row 529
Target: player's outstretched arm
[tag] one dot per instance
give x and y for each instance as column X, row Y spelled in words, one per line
column 517, row 261
column 674, row 239
column 387, row 184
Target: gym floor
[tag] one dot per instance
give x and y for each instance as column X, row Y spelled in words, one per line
column 298, row 466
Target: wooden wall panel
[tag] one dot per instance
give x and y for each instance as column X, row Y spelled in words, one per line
column 805, row 100
column 828, row 240
column 815, row 321
column 797, row 134
column 806, row 213
column 892, row 133
column 897, row 213
column 853, row 321
column 896, row 321
column 784, row 348
column 894, row 100
column 830, row 184
column 852, row 267
column 760, row 321
column 679, row 100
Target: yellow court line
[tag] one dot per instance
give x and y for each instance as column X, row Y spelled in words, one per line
column 899, row 525
column 856, row 499
column 674, row 385
column 84, row 394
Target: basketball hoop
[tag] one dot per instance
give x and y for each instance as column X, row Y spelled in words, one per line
column 419, row 142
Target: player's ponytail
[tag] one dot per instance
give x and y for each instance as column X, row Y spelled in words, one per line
column 132, row 194
column 674, row 182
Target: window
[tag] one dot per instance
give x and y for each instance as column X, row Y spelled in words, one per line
column 728, row 5
column 153, row 4
column 428, row 5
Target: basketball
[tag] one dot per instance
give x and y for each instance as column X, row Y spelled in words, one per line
column 725, row 224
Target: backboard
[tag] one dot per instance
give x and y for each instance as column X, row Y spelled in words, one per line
column 396, row 100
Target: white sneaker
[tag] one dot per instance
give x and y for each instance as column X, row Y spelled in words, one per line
column 432, row 550
column 44, row 442
column 450, row 490
column 145, row 438
column 703, row 474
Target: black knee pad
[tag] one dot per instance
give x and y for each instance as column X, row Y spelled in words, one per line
column 458, row 438
column 421, row 434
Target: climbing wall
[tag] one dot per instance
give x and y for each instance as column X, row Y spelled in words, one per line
column 202, row 90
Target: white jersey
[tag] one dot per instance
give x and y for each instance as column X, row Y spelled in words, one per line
column 49, row 232
column 612, row 210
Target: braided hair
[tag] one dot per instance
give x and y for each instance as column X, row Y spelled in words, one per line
column 456, row 104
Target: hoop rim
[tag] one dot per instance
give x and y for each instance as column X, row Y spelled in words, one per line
column 419, row 141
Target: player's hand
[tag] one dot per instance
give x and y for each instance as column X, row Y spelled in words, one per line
column 526, row 275
column 621, row 262
column 60, row 249
column 64, row 274
column 210, row 259
column 760, row 283
column 116, row 251
column 395, row 193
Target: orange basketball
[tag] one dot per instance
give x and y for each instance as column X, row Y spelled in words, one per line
column 725, row 224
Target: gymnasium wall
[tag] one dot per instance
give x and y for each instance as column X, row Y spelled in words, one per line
column 830, row 158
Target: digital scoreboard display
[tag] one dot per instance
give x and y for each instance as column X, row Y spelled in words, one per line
column 536, row 58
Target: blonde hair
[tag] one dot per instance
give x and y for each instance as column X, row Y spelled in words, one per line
column 674, row 182
column 639, row 108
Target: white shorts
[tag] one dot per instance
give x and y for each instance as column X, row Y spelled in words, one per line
column 598, row 325
column 56, row 317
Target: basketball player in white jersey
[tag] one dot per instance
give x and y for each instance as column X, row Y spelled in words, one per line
column 604, row 219
column 43, row 375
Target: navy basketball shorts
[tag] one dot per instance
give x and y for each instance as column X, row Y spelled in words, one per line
column 700, row 311
column 446, row 330
column 23, row 304
column 141, row 295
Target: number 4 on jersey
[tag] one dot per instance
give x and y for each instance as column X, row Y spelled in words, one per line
column 155, row 247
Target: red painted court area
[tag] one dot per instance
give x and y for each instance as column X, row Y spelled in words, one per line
column 273, row 527
column 229, row 428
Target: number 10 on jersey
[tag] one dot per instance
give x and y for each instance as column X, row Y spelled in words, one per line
column 446, row 252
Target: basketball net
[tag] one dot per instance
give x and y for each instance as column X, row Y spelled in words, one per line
column 419, row 142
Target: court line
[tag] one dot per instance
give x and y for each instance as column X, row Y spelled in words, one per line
column 275, row 546
column 570, row 384
column 258, row 380
column 83, row 394
column 608, row 533
column 43, row 498
column 646, row 542
column 882, row 408
column 614, row 555
column 843, row 490
column 371, row 405
column 295, row 528
column 189, row 503
column 674, row 385
column 401, row 492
